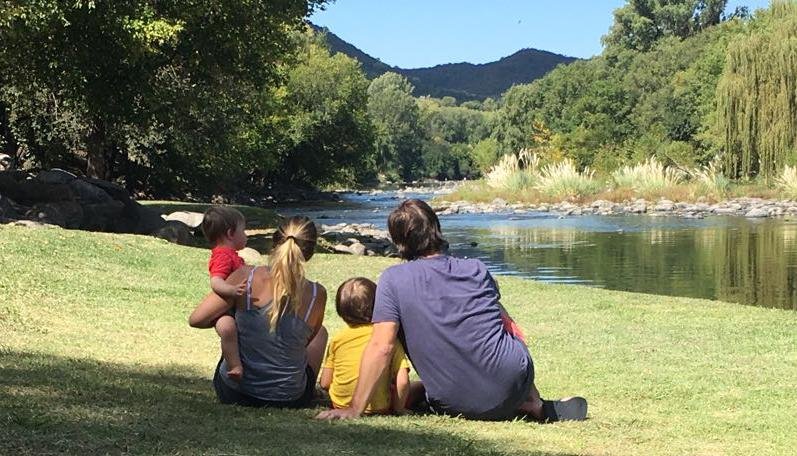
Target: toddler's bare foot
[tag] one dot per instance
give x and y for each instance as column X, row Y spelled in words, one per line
column 235, row 373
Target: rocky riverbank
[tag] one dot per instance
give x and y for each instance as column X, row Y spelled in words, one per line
column 741, row 207
column 356, row 239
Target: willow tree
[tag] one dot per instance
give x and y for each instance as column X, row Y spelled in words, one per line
column 757, row 96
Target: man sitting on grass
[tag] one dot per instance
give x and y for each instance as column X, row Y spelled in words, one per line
column 446, row 312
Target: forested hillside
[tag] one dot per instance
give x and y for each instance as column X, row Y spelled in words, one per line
column 463, row 81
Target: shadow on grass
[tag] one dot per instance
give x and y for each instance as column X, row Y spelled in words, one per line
column 50, row 404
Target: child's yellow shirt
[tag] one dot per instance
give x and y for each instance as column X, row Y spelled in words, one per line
column 343, row 357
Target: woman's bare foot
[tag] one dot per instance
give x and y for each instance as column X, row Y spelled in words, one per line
column 235, row 373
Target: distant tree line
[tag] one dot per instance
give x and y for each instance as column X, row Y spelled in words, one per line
column 208, row 97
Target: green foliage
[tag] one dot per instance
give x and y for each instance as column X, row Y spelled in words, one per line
column 692, row 92
column 485, row 154
column 164, row 95
column 641, row 23
column 757, row 95
column 329, row 136
column 395, row 117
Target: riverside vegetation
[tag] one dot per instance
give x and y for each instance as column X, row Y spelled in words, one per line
column 688, row 83
column 97, row 357
column 522, row 180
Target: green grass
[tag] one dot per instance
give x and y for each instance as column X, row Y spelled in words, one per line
column 96, row 357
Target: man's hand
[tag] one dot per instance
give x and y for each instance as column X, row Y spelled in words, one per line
column 338, row 414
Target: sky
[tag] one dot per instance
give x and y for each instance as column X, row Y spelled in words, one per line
column 422, row 33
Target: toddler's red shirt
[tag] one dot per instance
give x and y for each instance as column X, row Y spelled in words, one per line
column 223, row 261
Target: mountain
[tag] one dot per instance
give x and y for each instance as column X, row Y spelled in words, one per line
column 463, row 81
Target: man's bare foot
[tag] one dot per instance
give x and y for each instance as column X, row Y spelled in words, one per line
column 235, row 373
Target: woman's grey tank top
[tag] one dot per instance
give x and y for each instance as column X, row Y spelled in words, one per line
column 274, row 361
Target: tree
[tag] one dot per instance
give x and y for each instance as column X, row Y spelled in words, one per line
column 641, row 23
column 757, row 97
column 394, row 115
column 164, row 87
column 325, row 103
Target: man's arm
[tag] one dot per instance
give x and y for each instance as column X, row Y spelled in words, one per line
column 402, row 390
column 375, row 360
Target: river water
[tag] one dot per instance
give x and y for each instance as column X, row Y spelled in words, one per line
column 747, row 261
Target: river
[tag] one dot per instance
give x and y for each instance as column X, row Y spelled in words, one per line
column 747, row 261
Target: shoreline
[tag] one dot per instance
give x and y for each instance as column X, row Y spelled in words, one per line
column 738, row 207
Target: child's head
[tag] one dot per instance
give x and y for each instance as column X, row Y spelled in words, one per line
column 221, row 223
column 355, row 301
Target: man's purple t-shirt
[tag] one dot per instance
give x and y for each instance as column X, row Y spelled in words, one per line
column 448, row 311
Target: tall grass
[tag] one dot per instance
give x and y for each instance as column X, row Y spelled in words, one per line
column 563, row 180
column 650, row 178
column 514, row 172
column 711, row 182
column 787, row 182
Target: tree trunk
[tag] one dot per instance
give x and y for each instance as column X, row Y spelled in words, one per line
column 96, row 160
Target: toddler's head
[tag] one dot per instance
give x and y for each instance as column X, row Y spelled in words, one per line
column 222, row 223
column 355, row 301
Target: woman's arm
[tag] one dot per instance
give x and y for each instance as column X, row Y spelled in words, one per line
column 316, row 319
column 214, row 306
column 375, row 360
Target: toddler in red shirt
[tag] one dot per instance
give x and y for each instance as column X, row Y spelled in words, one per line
column 224, row 229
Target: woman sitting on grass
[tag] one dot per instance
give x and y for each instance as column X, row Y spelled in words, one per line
column 279, row 322
column 447, row 313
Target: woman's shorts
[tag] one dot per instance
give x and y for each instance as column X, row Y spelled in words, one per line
column 230, row 396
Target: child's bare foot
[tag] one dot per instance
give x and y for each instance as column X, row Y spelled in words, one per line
column 235, row 373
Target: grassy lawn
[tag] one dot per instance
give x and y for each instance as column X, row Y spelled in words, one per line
column 96, row 357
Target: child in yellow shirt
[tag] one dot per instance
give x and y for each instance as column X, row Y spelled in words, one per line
column 354, row 303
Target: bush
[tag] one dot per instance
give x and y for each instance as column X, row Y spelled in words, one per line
column 514, row 172
column 648, row 178
column 786, row 182
column 563, row 180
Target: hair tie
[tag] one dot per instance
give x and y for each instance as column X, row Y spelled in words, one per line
column 290, row 236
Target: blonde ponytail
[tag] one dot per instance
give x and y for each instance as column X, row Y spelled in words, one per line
column 294, row 242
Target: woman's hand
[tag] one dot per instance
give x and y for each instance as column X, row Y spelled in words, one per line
column 338, row 414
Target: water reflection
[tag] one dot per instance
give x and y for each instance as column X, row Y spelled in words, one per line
column 731, row 259
column 737, row 260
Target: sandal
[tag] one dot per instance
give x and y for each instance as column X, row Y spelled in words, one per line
column 569, row 409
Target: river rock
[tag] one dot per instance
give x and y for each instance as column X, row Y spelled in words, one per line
column 55, row 176
column 8, row 208
column 638, row 208
column 599, row 204
column 757, row 212
column 66, row 214
column 87, row 193
column 664, row 205
column 176, row 233
column 192, row 219
column 251, row 256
